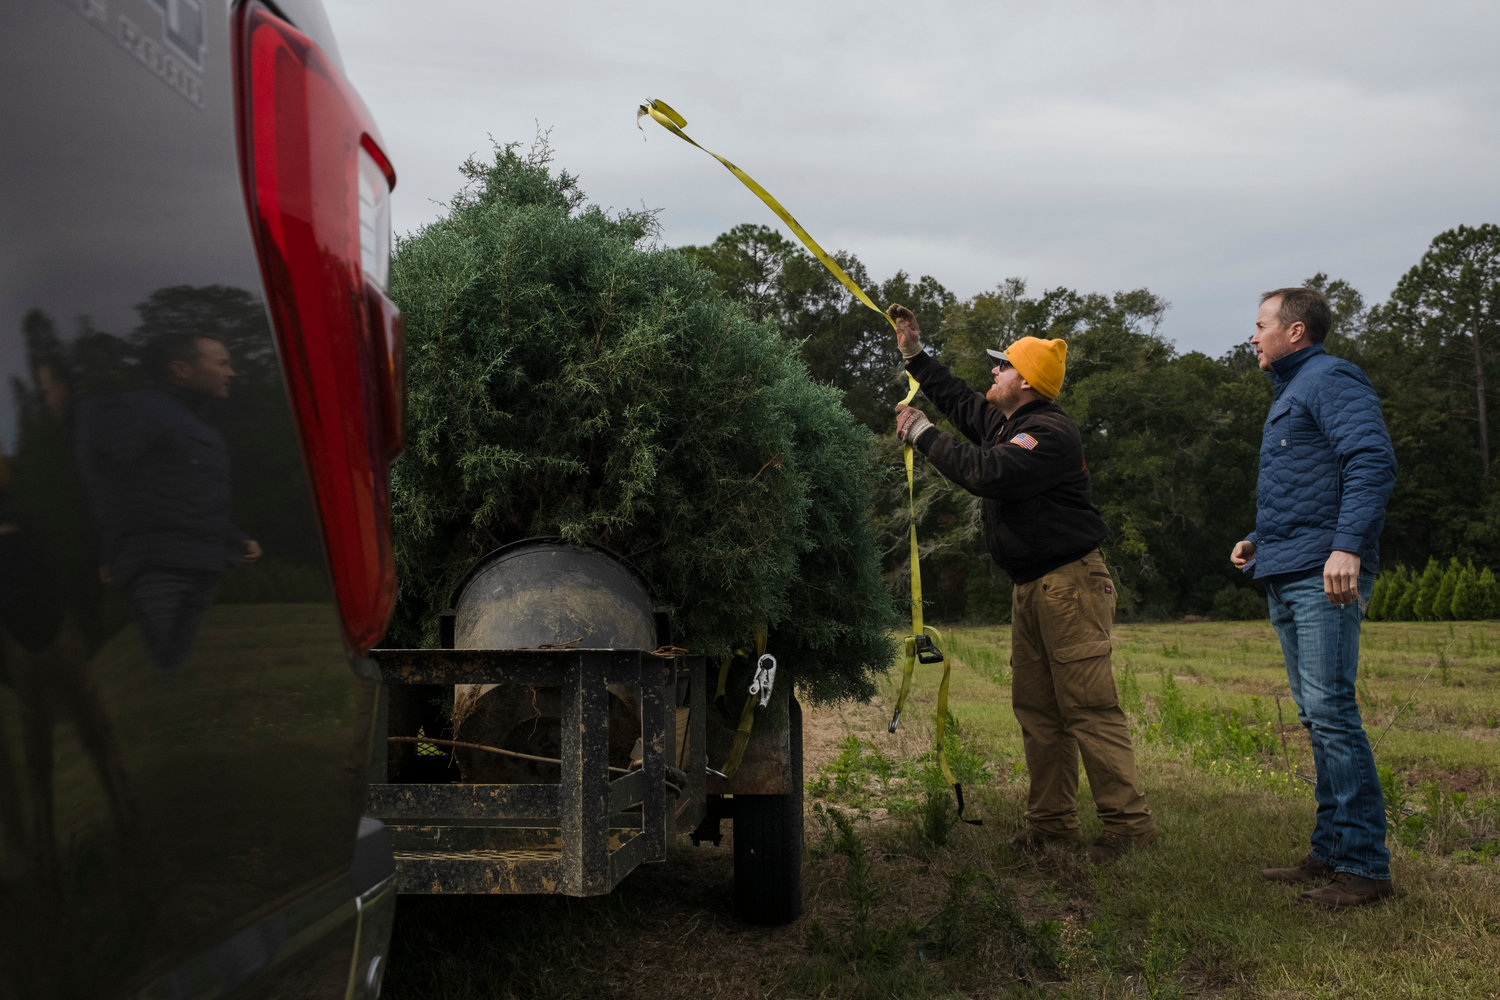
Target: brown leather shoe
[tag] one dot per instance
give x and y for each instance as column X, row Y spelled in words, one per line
column 1030, row 840
column 1309, row 869
column 1112, row 845
column 1349, row 890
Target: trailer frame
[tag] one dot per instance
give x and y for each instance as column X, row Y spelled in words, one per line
column 579, row 836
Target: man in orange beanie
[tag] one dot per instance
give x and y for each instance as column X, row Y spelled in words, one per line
column 1024, row 458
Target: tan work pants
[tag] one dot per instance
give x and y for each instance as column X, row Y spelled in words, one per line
column 1063, row 692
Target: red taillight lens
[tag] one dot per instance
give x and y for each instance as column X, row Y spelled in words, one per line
column 319, row 187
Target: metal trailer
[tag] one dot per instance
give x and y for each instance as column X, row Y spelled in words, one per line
column 567, row 643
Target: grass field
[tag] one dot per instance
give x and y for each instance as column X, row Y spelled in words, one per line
column 903, row 901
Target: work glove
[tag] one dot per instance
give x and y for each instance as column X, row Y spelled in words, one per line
column 908, row 331
column 911, row 423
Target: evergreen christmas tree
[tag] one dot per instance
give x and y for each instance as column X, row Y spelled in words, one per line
column 1487, row 605
column 1442, row 603
column 567, row 378
column 1404, row 597
column 1465, row 604
column 1378, row 597
column 1426, row 590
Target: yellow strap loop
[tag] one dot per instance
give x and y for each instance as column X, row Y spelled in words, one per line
column 670, row 119
column 673, row 122
column 747, row 712
column 741, row 738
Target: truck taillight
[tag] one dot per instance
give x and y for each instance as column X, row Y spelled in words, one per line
column 318, row 186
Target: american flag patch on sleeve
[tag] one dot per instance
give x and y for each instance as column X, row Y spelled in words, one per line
column 1024, row 440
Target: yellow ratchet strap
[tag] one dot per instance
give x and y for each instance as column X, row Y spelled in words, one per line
column 747, row 714
column 925, row 643
column 675, row 123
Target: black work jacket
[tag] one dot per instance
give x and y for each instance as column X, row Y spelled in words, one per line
column 1028, row 469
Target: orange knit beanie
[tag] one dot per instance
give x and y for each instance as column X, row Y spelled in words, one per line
column 1040, row 362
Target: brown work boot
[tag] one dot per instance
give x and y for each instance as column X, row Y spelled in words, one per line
column 1349, row 890
column 1309, row 869
column 1112, row 845
column 1030, row 840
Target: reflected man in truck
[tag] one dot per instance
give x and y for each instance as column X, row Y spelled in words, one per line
column 157, row 474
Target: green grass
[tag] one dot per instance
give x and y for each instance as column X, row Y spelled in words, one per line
column 1228, row 772
column 902, row 901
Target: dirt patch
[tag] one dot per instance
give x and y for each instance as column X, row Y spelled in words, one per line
column 1264, row 687
column 826, row 728
column 1294, row 734
column 1453, row 779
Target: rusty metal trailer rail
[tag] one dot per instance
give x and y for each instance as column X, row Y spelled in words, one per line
column 579, row 836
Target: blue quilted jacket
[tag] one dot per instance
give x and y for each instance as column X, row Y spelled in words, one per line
column 157, row 475
column 1326, row 466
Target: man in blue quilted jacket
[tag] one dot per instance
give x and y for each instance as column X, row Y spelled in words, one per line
column 157, row 473
column 1326, row 471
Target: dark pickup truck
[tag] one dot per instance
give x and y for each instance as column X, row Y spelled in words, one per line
column 202, row 380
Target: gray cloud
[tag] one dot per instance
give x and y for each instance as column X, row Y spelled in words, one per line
column 1204, row 150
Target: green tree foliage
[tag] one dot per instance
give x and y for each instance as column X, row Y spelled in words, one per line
column 565, row 379
column 843, row 342
column 1430, row 352
column 1394, row 586
column 1451, row 301
column 1426, row 592
column 1403, row 595
column 1465, row 604
column 1403, row 604
column 1379, row 597
column 988, row 320
column 1172, row 439
column 1472, row 594
column 1172, row 442
column 1488, row 602
column 1238, row 604
column 1350, row 315
column 1442, row 602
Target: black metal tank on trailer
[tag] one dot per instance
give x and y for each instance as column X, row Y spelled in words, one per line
column 581, row 739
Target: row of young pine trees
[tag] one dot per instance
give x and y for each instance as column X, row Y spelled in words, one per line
column 1455, row 593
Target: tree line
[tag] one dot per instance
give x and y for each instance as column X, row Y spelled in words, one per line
column 1172, row 438
column 1457, row 592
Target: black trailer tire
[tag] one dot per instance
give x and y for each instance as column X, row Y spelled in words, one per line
column 768, row 845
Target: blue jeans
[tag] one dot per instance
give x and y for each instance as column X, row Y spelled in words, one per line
column 1320, row 642
column 168, row 606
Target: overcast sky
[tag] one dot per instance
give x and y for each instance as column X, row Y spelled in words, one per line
column 1207, row 151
